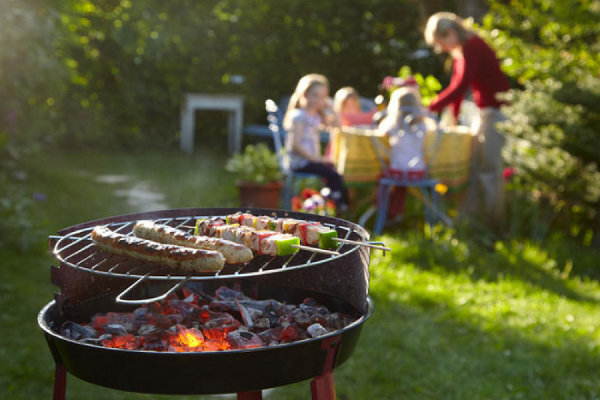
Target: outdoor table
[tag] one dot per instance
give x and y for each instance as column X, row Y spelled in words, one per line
column 360, row 154
column 232, row 103
column 448, row 156
column 353, row 152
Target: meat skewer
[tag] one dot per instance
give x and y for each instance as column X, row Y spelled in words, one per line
column 310, row 233
column 233, row 252
column 261, row 241
column 173, row 256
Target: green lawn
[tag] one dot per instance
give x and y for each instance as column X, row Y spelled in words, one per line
column 453, row 319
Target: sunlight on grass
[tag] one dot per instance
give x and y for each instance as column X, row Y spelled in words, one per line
column 509, row 312
column 453, row 319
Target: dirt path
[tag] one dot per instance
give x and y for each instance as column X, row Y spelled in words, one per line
column 138, row 194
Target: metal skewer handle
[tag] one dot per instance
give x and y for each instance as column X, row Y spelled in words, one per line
column 373, row 245
column 315, row 249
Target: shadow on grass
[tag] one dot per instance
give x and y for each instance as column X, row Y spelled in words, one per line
column 455, row 320
column 548, row 265
column 433, row 350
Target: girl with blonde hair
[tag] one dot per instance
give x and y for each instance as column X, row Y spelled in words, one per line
column 309, row 111
column 405, row 127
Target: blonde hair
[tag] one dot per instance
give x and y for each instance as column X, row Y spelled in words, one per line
column 439, row 24
column 405, row 101
column 305, row 84
column 341, row 96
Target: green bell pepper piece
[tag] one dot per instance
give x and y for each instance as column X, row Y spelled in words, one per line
column 284, row 246
column 326, row 239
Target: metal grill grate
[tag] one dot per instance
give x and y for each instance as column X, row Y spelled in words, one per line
column 76, row 249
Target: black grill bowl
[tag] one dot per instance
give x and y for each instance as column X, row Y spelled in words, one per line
column 206, row 372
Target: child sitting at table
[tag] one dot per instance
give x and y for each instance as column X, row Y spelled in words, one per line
column 405, row 128
column 346, row 103
column 308, row 112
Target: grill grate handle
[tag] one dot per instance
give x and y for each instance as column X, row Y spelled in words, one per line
column 120, row 299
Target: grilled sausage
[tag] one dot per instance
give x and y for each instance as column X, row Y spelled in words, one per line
column 234, row 253
column 173, row 256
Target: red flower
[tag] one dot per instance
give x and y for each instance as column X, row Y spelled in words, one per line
column 312, row 201
column 388, row 82
column 308, row 192
column 508, row 172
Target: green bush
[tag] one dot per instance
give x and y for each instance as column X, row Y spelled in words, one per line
column 553, row 145
column 429, row 85
column 550, row 48
column 19, row 223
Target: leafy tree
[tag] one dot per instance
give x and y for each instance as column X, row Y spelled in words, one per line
column 538, row 39
column 32, row 84
column 551, row 48
column 32, row 79
column 132, row 61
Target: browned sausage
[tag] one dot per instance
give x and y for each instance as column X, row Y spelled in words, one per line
column 234, row 253
column 173, row 256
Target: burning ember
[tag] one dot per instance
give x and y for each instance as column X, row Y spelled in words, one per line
column 194, row 322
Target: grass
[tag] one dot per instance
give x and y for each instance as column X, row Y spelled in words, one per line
column 454, row 319
column 488, row 325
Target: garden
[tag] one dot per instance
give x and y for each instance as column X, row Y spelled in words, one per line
column 89, row 129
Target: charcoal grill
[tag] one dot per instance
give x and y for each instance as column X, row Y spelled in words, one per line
column 91, row 280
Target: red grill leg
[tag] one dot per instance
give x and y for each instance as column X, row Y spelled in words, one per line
column 60, row 382
column 250, row 395
column 322, row 387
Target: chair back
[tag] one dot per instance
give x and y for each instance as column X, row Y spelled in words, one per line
column 275, row 120
column 293, row 179
column 366, row 104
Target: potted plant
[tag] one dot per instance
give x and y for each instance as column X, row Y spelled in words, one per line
column 259, row 177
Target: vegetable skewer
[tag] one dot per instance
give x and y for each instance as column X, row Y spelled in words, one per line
column 261, row 241
column 310, row 233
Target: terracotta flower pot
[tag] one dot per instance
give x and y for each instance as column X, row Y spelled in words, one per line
column 264, row 195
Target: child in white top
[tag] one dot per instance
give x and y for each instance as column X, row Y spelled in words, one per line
column 405, row 128
column 308, row 112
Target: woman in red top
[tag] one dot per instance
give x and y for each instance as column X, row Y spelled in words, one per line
column 474, row 67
